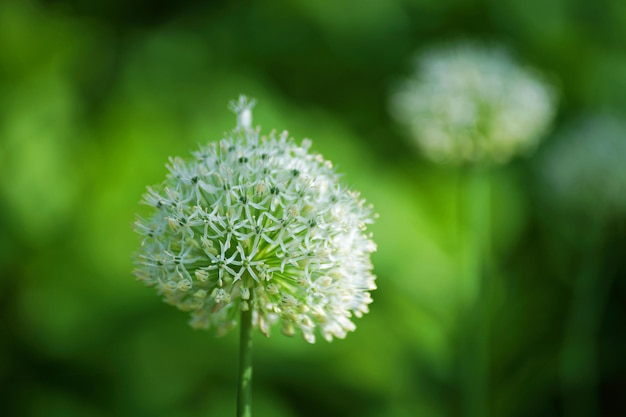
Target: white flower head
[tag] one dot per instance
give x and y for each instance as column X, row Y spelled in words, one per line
column 262, row 223
column 467, row 103
column 584, row 168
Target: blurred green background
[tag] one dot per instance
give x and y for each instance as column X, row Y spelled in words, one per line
column 95, row 95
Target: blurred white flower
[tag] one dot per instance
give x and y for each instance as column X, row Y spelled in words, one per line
column 467, row 103
column 258, row 222
column 585, row 168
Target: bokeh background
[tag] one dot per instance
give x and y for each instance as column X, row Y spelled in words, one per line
column 95, row 95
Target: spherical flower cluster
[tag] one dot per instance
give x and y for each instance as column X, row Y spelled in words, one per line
column 467, row 103
column 258, row 223
column 585, row 168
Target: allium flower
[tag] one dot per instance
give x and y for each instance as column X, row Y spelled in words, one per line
column 261, row 223
column 466, row 103
column 585, row 167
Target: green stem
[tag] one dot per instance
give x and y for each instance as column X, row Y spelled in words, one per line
column 579, row 357
column 477, row 255
column 244, row 378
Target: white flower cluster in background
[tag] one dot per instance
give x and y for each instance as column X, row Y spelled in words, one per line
column 261, row 223
column 467, row 103
column 585, row 168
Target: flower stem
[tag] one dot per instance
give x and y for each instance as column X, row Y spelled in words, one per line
column 475, row 322
column 579, row 356
column 244, row 378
